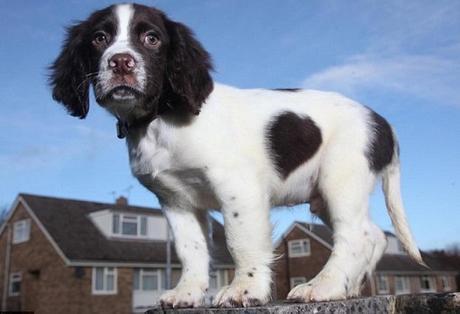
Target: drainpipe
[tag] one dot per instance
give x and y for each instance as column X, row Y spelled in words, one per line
column 7, row 267
column 168, row 257
column 372, row 283
column 288, row 265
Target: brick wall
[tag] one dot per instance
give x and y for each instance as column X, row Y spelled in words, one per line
column 307, row 266
column 49, row 286
column 119, row 303
column 452, row 283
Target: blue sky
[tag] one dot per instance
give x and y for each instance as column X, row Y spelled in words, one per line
column 401, row 58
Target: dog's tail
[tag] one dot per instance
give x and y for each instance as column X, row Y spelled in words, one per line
column 392, row 190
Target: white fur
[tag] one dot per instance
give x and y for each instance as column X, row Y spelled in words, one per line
column 191, row 248
column 222, row 160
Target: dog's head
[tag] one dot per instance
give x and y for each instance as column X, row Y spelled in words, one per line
column 137, row 61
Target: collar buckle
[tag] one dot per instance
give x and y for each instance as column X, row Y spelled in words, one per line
column 122, row 129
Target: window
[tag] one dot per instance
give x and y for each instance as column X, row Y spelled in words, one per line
column 382, row 284
column 402, row 285
column 218, row 279
column 129, row 225
column 299, row 248
column 427, row 284
column 445, row 283
column 15, row 284
column 21, row 231
column 149, row 279
column 295, row 281
column 104, row 280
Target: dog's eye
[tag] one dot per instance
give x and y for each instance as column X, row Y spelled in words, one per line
column 100, row 39
column 150, row 39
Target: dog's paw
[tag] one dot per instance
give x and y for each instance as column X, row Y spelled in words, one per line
column 183, row 296
column 325, row 289
column 243, row 293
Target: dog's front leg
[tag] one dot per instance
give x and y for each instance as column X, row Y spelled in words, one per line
column 245, row 206
column 188, row 228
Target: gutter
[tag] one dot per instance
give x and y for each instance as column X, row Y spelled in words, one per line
column 415, row 272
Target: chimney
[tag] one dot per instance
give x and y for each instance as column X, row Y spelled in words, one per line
column 122, row 201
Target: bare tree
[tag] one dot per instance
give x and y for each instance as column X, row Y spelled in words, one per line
column 450, row 255
column 453, row 249
column 3, row 213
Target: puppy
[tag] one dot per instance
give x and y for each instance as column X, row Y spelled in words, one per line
column 198, row 145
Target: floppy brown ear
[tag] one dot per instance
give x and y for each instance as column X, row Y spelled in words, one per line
column 69, row 73
column 188, row 67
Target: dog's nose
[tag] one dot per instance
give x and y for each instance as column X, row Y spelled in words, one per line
column 122, row 63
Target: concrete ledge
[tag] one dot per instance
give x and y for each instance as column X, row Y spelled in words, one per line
column 417, row 304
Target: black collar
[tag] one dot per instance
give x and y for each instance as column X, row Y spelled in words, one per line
column 123, row 127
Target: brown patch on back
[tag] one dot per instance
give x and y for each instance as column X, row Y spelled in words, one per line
column 293, row 140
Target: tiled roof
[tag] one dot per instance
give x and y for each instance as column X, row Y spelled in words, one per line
column 389, row 262
column 68, row 224
column 403, row 263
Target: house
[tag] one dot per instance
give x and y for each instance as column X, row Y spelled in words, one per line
column 70, row 256
column 450, row 256
column 305, row 248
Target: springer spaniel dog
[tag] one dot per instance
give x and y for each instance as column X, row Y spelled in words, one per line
column 198, row 145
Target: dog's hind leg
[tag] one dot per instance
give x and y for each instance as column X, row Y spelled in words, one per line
column 377, row 238
column 379, row 243
column 345, row 185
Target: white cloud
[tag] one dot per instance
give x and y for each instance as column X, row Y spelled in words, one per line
column 410, row 25
column 83, row 143
column 34, row 157
column 423, row 76
column 413, row 49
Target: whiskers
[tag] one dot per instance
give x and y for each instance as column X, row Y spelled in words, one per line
column 88, row 78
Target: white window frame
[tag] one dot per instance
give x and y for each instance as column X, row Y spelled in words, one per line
column 221, row 278
column 122, row 217
column 295, row 281
column 14, row 277
column 21, row 231
column 406, row 285
column 106, row 272
column 382, row 278
column 291, row 243
column 445, row 282
column 147, row 271
column 431, row 280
